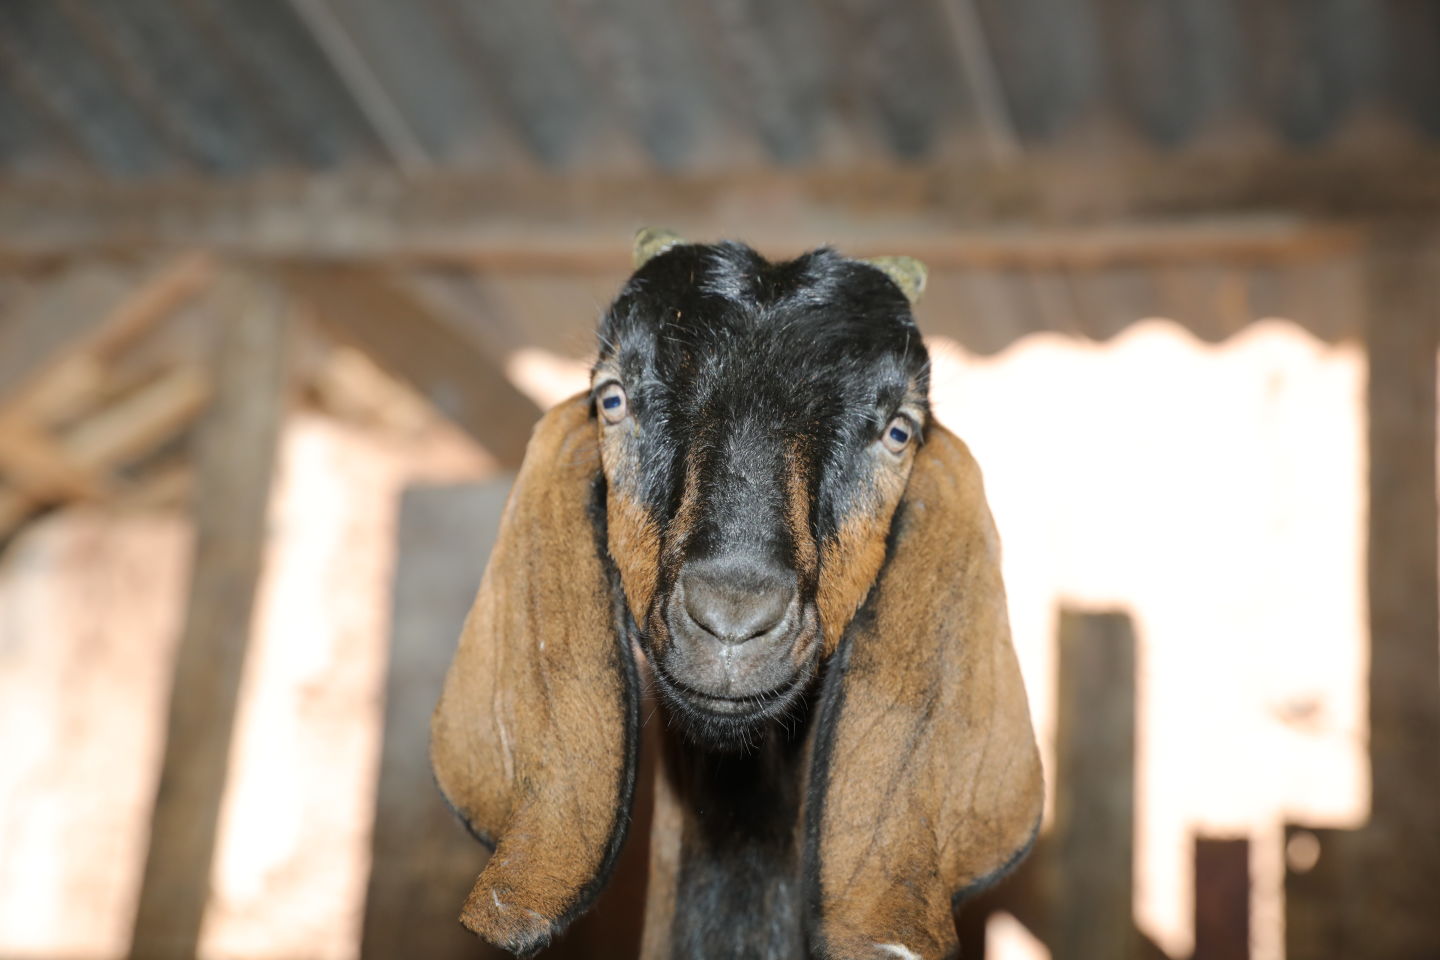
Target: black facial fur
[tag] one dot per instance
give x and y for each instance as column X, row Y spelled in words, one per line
column 746, row 372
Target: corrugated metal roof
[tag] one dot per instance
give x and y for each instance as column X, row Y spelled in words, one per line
column 144, row 88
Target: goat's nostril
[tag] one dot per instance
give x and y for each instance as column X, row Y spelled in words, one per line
column 736, row 602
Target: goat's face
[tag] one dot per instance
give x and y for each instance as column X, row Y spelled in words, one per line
column 758, row 422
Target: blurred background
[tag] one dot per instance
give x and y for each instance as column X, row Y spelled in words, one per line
column 285, row 283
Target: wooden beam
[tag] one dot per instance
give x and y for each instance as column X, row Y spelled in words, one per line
column 77, row 461
column 1370, row 893
column 1394, row 910
column 69, row 329
column 1091, row 870
column 957, row 215
column 375, row 311
column 234, row 454
column 140, row 421
column 40, row 469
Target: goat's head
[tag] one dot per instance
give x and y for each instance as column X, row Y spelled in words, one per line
column 754, row 491
column 757, row 424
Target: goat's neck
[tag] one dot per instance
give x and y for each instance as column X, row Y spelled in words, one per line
column 725, row 861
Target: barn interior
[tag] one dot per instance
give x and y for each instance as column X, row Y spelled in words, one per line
column 284, row 285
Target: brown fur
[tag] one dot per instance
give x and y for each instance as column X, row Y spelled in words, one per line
column 672, row 551
column 529, row 739
column 852, row 560
column 933, row 780
column 634, row 544
column 633, row 533
column 797, row 514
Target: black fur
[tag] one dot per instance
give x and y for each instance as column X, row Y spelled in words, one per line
column 713, row 339
column 739, row 892
column 745, row 371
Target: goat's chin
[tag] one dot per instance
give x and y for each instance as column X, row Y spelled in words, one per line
column 731, row 723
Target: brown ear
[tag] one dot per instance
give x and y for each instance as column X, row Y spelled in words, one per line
column 926, row 780
column 534, row 739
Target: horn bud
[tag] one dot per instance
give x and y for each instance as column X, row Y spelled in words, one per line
column 907, row 273
column 650, row 242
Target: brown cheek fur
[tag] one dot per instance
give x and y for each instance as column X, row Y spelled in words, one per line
column 798, row 503
column 634, row 545
column 530, row 739
column 933, row 779
column 852, row 559
column 671, row 552
column 633, row 534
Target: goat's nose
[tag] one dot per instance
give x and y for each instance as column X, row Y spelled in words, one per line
column 736, row 600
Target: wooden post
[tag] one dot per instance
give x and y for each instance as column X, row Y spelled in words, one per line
column 1397, row 915
column 234, row 456
column 423, row 862
column 376, row 313
column 1222, row 899
column 1371, row 894
column 1091, row 883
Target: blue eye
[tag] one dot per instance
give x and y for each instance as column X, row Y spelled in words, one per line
column 613, row 407
column 897, row 435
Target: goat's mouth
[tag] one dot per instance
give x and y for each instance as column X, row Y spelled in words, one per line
column 719, row 710
column 727, row 722
column 764, row 703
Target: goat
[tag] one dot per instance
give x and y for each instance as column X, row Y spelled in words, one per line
column 753, row 507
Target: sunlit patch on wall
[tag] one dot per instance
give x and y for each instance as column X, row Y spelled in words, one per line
column 1215, row 493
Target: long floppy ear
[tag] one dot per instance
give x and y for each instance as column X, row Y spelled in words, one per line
column 534, row 739
column 926, row 780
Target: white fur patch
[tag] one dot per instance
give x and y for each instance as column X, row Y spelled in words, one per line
column 896, row 950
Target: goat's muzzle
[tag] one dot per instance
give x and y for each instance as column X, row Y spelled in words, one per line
column 742, row 639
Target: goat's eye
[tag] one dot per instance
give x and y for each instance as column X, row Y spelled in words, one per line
column 897, row 435
column 613, row 405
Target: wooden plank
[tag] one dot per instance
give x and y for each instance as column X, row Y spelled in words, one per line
column 77, row 461
column 140, row 421
column 1371, row 893
column 234, row 458
column 985, row 310
column 376, row 312
column 1091, row 885
column 1394, row 911
column 35, row 463
column 534, row 221
column 1222, row 899
column 73, row 326
column 1320, row 869
column 422, row 860
column 1110, row 299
